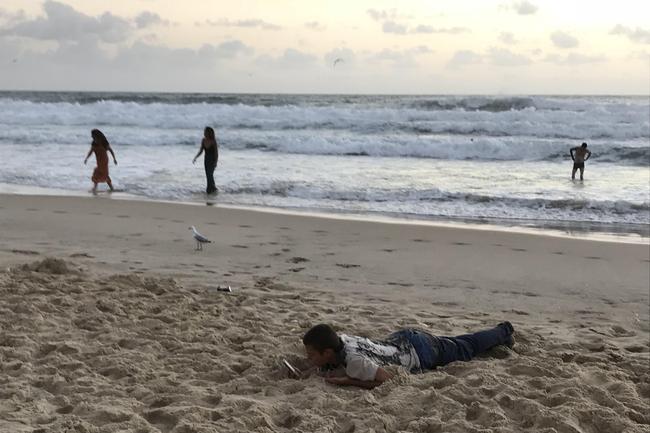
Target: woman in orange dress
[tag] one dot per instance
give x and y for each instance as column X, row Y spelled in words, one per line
column 100, row 147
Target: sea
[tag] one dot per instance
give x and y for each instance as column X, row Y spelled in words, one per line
column 498, row 159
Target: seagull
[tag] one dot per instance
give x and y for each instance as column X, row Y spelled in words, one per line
column 200, row 239
column 337, row 61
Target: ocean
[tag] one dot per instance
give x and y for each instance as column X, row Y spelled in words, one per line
column 495, row 159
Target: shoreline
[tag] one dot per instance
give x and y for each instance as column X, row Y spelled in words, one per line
column 565, row 229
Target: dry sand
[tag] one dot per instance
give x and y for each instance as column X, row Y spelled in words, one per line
column 110, row 322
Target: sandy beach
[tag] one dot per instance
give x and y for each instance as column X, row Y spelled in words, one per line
column 111, row 322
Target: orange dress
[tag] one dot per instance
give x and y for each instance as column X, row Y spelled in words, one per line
column 101, row 171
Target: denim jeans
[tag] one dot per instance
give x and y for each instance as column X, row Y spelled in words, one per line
column 436, row 351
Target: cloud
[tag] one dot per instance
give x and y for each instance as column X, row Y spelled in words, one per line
column 63, row 23
column 402, row 29
column 290, row 59
column 395, row 58
column 573, row 59
column 247, row 23
column 148, row 19
column 430, row 29
column 522, row 7
column 463, row 58
column 639, row 35
column 390, row 24
column 503, row 57
column 507, row 38
column 639, row 55
column 494, row 56
column 315, row 25
column 10, row 17
column 229, row 49
column 393, row 27
column 563, row 40
column 382, row 15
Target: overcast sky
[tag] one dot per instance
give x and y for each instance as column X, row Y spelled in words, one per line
column 384, row 46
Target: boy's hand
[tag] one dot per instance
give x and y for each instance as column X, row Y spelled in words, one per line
column 337, row 380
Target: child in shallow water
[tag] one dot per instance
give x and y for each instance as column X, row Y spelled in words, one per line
column 100, row 146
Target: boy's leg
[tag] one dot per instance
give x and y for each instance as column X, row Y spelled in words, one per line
column 108, row 181
column 465, row 347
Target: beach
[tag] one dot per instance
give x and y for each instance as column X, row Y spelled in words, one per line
column 111, row 321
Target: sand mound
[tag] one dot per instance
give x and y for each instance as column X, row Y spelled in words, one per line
column 145, row 354
column 50, row 266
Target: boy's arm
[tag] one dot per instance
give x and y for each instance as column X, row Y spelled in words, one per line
column 571, row 152
column 381, row 376
column 588, row 155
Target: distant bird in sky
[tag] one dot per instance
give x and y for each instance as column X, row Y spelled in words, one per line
column 200, row 239
column 337, row 61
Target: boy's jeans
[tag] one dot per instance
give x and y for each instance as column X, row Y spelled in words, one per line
column 436, row 351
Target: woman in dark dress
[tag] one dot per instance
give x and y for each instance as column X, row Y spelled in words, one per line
column 209, row 146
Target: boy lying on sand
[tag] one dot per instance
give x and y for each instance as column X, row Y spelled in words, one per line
column 358, row 361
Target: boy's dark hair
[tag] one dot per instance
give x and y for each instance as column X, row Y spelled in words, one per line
column 322, row 337
column 584, row 144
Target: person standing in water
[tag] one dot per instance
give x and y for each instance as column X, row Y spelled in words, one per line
column 209, row 146
column 579, row 155
column 100, row 146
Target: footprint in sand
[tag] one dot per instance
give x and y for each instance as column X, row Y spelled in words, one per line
column 31, row 209
column 388, row 250
column 593, row 258
column 347, row 265
column 395, row 283
column 239, row 246
column 26, row 252
column 82, row 255
column 519, row 249
column 297, row 260
column 59, row 211
column 558, row 253
column 124, row 216
column 461, row 243
column 419, row 240
column 244, row 226
column 296, row 269
column 286, row 250
column 284, row 228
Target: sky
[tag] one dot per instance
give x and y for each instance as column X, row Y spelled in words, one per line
column 327, row 46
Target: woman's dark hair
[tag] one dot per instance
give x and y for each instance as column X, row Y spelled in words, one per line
column 99, row 137
column 322, row 337
column 209, row 133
